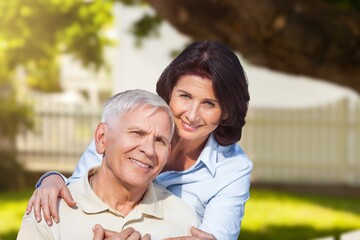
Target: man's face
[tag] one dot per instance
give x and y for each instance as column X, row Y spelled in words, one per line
column 136, row 146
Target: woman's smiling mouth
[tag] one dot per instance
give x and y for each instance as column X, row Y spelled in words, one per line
column 189, row 127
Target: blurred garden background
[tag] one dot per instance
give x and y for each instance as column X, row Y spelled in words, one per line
column 60, row 60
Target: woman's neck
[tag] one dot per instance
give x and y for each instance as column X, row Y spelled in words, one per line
column 184, row 153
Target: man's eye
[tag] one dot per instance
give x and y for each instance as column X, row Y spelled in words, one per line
column 138, row 133
column 160, row 141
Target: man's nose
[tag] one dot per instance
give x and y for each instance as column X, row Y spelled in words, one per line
column 147, row 146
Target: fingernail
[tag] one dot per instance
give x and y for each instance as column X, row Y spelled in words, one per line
column 95, row 227
column 49, row 223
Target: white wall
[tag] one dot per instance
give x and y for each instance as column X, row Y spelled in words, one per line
column 141, row 67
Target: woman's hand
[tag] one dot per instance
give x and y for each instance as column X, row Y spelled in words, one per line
column 126, row 234
column 196, row 234
column 45, row 198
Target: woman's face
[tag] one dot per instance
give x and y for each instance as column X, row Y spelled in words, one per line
column 196, row 109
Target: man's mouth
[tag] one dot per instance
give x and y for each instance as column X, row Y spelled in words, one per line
column 141, row 164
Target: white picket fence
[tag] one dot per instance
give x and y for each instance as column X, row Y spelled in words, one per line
column 314, row 145
column 60, row 136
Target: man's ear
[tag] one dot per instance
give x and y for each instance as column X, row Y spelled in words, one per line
column 100, row 134
column 169, row 150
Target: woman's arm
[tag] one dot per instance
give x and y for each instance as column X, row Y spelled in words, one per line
column 225, row 211
column 53, row 185
column 89, row 159
column 45, row 198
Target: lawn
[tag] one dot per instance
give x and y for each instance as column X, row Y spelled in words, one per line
column 270, row 215
column 12, row 208
column 275, row 215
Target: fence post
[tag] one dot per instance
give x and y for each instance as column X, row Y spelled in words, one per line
column 353, row 160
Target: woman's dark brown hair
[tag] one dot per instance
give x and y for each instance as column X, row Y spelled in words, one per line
column 217, row 62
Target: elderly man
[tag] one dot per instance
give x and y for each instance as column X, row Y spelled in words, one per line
column 134, row 138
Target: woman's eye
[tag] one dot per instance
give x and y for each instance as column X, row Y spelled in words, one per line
column 185, row 96
column 209, row 104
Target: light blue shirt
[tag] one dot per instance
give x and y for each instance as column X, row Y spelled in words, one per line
column 216, row 186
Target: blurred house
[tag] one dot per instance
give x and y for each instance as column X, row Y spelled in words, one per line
column 64, row 121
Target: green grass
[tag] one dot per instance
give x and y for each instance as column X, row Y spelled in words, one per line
column 12, row 208
column 270, row 215
column 278, row 215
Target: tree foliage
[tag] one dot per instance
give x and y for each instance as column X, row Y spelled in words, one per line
column 349, row 4
column 33, row 33
column 316, row 38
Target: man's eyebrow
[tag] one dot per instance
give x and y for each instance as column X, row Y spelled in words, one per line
column 162, row 138
column 135, row 128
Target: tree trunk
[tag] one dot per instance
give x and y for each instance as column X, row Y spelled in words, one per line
column 306, row 37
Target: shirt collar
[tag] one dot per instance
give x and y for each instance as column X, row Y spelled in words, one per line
column 210, row 154
column 90, row 203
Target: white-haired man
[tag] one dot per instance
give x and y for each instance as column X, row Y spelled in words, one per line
column 134, row 138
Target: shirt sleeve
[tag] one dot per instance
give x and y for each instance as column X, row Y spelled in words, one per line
column 45, row 175
column 30, row 229
column 89, row 159
column 225, row 211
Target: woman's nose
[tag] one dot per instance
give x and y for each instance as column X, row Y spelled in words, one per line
column 192, row 112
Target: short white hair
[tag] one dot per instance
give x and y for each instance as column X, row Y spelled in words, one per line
column 129, row 100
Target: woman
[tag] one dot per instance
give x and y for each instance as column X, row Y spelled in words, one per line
column 207, row 90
